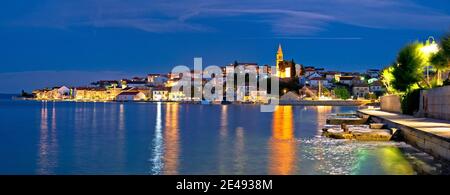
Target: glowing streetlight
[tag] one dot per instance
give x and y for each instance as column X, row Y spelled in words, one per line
column 430, row 48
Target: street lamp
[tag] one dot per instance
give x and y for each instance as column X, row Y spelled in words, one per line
column 430, row 47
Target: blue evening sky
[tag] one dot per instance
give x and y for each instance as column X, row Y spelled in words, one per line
column 50, row 42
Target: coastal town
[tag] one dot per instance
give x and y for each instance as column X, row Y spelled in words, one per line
column 297, row 82
column 223, row 95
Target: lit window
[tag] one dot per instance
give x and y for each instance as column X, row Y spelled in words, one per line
column 287, row 72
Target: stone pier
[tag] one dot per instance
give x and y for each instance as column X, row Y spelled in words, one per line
column 429, row 135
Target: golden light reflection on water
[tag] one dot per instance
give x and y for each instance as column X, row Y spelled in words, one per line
column 322, row 114
column 121, row 137
column 224, row 121
column 171, row 140
column 239, row 151
column 158, row 148
column 223, row 132
column 48, row 143
column 389, row 158
column 282, row 146
column 393, row 161
column 321, row 117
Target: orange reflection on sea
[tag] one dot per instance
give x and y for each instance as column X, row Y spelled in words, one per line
column 282, row 146
column 171, row 140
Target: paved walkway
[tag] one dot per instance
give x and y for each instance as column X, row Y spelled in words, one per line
column 436, row 127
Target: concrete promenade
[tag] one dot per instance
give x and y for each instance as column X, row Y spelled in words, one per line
column 429, row 135
column 326, row 102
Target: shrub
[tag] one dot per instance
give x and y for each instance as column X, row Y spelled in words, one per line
column 410, row 67
column 410, row 102
column 342, row 93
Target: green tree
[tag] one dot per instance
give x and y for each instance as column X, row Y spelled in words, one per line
column 387, row 78
column 342, row 93
column 441, row 60
column 408, row 72
column 326, row 92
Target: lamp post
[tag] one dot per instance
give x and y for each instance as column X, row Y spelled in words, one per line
column 428, row 49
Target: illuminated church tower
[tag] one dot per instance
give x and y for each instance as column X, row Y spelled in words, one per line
column 279, row 59
column 285, row 69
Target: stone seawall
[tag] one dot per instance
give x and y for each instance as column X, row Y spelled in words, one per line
column 429, row 135
column 391, row 103
column 327, row 102
column 435, row 103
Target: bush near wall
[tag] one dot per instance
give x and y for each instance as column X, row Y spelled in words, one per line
column 410, row 102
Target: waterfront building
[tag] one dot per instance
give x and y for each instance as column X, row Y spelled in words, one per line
column 45, row 94
column 246, row 67
column 373, row 73
column 172, row 82
column 91, row 94
column 177, row 96
column 243, row 93
column 160, row 94
column 376, row 86
column 56, row 93
column 346, row 80
column 106, row 83
column 309, row 70
column 360, row 90
column 63, row 92
column 229, row 69
column 331, row 75
column 171, row 76
column 136, row 82
column 111, row 93
column 258, row 96
column 138, row 79
column 318, row 81
column 156, row 80
column 145, row 90
column 131, row 96
column 314, row 75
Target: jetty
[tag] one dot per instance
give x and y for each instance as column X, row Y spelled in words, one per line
column 353, row 126
column 427, row 134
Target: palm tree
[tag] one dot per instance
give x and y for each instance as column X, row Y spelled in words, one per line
column 440, row 63
column 441, row 60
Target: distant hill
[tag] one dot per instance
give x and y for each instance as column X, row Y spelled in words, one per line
column 7, row 96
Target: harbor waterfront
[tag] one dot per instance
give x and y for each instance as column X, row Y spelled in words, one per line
column 174, row 138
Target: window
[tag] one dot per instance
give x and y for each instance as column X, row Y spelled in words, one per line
column 287, row 72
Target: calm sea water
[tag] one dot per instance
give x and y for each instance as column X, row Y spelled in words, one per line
column 155, row 138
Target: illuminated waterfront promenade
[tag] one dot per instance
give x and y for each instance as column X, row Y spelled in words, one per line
column 430, row 135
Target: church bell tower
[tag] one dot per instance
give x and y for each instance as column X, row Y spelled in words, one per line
column 279, row 59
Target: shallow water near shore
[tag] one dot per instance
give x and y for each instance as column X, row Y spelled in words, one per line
column 170, row 138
